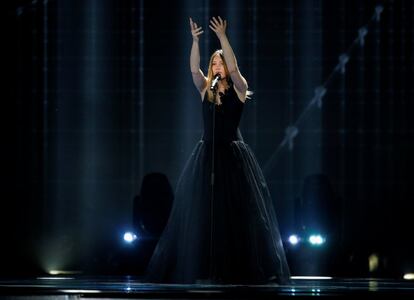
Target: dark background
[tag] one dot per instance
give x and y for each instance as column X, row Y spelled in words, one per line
column 99, row 94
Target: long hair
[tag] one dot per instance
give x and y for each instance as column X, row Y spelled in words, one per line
column 210, row 75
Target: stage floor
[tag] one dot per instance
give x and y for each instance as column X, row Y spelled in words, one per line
column 131, row 287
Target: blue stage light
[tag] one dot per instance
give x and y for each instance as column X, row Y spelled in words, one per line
column 293, row 239
column 130, row 237
column 316, row 240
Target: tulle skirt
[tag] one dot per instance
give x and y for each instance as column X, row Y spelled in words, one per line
column 226, row 233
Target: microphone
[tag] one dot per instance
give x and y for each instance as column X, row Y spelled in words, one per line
column 215, row 81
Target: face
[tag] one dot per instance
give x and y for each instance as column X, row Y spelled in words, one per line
column 217, row 66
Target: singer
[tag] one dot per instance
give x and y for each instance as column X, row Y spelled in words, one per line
column 223, row 227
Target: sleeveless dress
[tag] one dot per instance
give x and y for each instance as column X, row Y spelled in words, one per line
column 228, row 233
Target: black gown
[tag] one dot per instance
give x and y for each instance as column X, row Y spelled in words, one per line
column 232, row 237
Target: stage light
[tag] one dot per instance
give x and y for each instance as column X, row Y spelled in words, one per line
column 81, row 291
column 311, row 277
column 62, row 272
column 293, row 239
column 130, row 237
column 55, row 278
column 316, row 240
column 373, row 262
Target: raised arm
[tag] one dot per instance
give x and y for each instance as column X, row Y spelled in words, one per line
column 198, row 77
column 219, row 27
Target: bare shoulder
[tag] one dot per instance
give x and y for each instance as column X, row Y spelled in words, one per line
column 199, row 80
column 240, row 95
column 203, row 93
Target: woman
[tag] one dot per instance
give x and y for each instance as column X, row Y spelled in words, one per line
column 222, row 227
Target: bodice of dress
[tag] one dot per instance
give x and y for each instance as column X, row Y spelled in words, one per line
column 227, row 117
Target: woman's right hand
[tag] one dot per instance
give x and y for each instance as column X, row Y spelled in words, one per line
column 195, row 30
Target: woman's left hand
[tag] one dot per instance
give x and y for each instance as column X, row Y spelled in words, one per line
column 218, row 26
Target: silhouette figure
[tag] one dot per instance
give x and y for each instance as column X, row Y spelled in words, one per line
column 153, row 205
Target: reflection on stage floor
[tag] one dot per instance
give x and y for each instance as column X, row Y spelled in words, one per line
column 131, row 287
